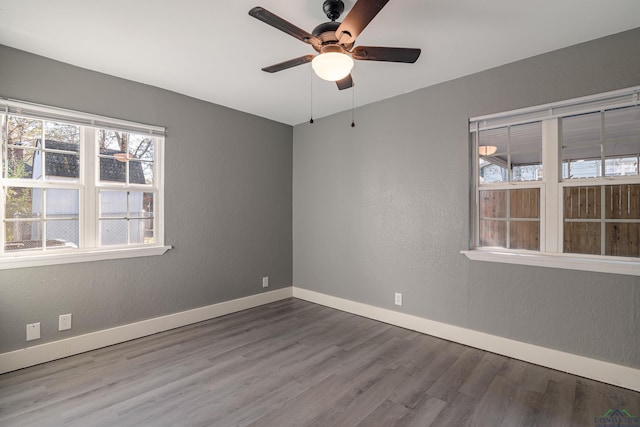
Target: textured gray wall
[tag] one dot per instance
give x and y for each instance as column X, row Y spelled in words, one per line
column 227, row 211
column 383, row 207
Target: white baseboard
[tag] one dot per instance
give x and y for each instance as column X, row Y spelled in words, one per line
column 618, row 375
column 47, row 352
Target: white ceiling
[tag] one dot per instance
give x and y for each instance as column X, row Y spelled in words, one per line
column 213, row 50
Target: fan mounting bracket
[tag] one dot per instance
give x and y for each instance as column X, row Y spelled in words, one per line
column 333, row 8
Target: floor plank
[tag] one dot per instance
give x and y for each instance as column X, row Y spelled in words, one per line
column 294, row 363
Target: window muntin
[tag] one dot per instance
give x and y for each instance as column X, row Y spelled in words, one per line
column 126, row 217
column 127, row 157
column 602, row 220
column 602, row 143
column 36, row 215
column 510, row 218
column 50, row 194
column 40, row 150
column 510, row 153
column 590, row 206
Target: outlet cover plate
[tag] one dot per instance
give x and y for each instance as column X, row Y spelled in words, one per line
column 265, row 282
column 33, row 331
column 398, row 298
column 64, row 322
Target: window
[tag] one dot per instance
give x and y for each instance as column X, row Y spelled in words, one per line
column 559, row 184
column 77, row 187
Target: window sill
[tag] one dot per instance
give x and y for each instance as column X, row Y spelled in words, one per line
column 68, row 257
column 626, row 266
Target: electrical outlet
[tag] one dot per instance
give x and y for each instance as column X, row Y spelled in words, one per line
column 33, row 331
column 64, row 322
column 265, row 282
column 398, row 298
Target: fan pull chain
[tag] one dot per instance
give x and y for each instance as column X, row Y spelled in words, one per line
column 353, row 106
column 311, row 95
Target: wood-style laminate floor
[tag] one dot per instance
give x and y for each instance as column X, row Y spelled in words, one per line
column 293, row 363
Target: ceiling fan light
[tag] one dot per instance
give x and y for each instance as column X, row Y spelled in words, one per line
column 487, row 150
column 332, row 66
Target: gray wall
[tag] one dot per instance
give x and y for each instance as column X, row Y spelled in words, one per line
column 227, row 214
column 383, row 207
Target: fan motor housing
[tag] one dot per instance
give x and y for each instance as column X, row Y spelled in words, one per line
column 326, row 32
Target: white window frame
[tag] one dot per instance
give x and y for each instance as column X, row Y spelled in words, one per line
column 551, row 188
column 89, row 187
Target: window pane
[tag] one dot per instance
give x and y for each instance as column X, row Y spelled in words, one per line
column 622, row 201
column 23, row 131
column 19, row 162
column 113, row 232
column 582, row 146
column 525, row 203
column 62, row 133
column 137, row 231
column 122, row 151
column 582, row 162
column 527, row 166
column 581, row 131
column 111, row 140
column 140, row 204
column 498, row 138
column 524, row 235
column 23, row 202
column 521, row 227
column 582, row 237
column 582, row 214
column 61, row 165
column 63, row 234
column 113, row 204
column 582, row 202
column 140, row 172
column 64, row 162
column 149, row 236
column 147, row 213
column 493, row 148
column 62, row 203
column 148, row 205
column 622, row 125
column 112, row 169
column 626, row 166
column 526, row 137
column 112, row 146
column 622, row 141
column 493, row 233
column 22, row 235
column 492, row 171
column 517, row 148
column 526, row 151
column 493, row 204
column 582, row 169
column 622, row 239
column 141, row 147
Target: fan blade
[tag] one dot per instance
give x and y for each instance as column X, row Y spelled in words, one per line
column 288, row 64
column 390, row 54
column 357, row 19
column 345, row 83
column 275, row 21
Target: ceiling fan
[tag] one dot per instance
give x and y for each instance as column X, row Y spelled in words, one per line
column 334, row 41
